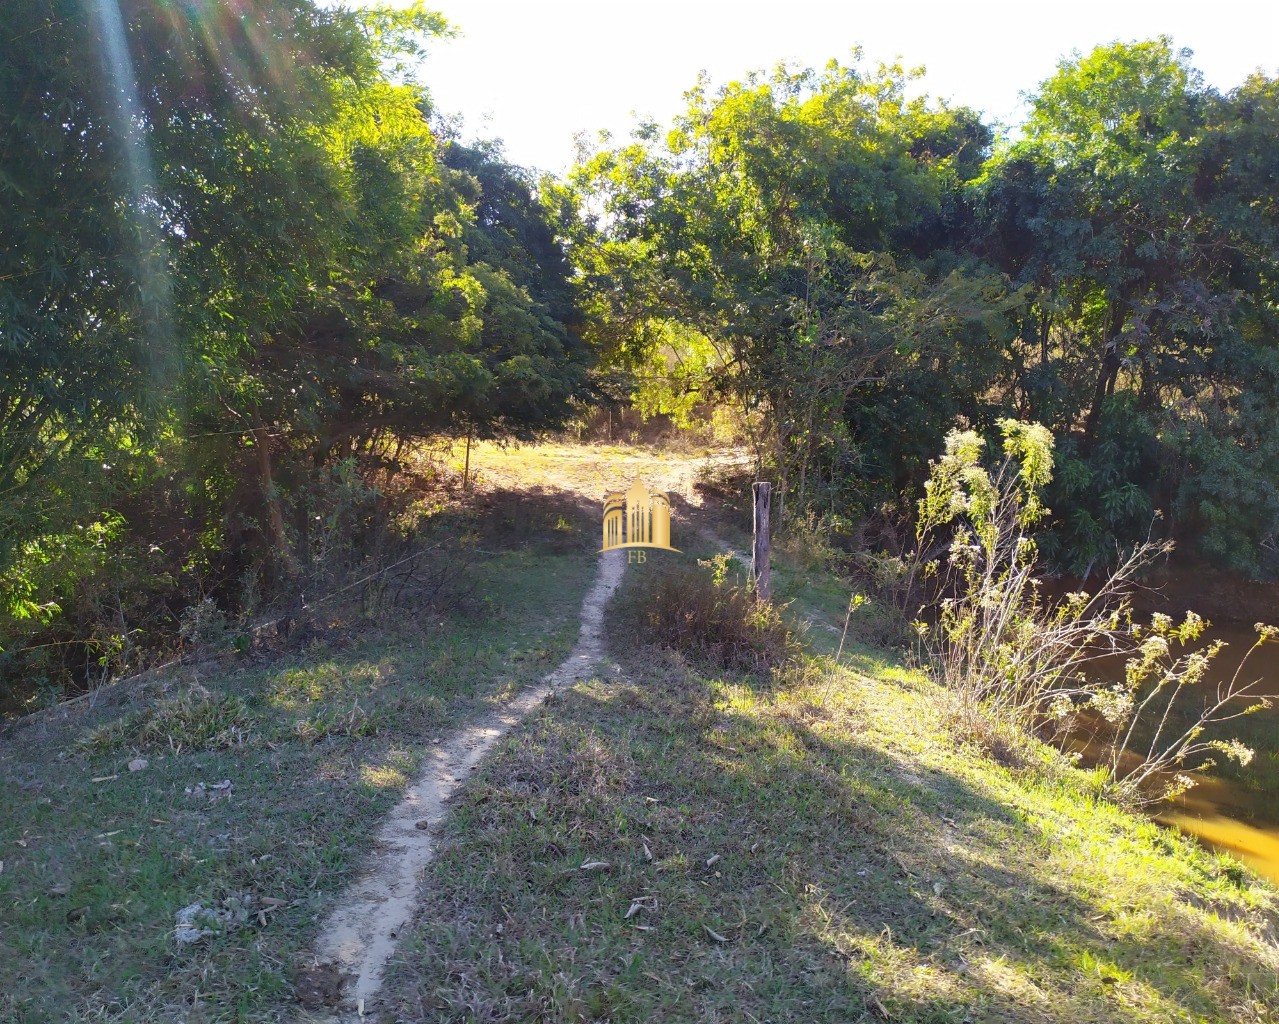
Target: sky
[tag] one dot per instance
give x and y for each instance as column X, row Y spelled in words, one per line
column 535, row 74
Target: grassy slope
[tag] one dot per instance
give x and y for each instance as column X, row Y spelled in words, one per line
column 94, row 872
column 869, row 867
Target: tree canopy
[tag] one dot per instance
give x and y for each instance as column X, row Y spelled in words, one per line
column 863, row 272
column 236, row 251
column 242, row 253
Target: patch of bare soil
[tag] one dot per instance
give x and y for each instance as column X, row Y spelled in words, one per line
column 319, row 987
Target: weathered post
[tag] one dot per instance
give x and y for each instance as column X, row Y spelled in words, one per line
column 761, row 492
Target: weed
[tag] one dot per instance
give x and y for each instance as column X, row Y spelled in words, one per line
column 335, row 722
column 806, row 542
column 193, row 720
column 701, row 612
column 204, row 626
column 1005, row 653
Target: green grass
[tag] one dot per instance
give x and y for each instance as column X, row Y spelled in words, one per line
column 318, row 746
column 813, row 846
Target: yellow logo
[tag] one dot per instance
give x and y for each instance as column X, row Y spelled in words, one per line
column 637, row 519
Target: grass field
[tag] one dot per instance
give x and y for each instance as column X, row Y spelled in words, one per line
column 667, row 844
column 317, row 742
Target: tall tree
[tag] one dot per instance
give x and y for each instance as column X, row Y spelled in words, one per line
column 232, row 256
column 1120, row 208
column 763, row 252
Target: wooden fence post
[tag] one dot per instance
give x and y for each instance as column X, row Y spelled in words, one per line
column 763, row 547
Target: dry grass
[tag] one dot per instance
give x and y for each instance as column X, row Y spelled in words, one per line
column 708, row 612
column 589, row 470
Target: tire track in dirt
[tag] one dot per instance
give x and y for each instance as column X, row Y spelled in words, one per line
column 359, row 936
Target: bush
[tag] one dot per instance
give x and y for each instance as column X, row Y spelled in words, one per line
column 701, row 613
column 204, row 627
column 1008, row 656
column 806, row 541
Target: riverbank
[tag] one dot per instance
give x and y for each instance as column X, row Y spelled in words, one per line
column 668, row 843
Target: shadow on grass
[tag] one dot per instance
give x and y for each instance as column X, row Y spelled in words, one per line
column 773, row 857
column 535, row 518
column 98, row 859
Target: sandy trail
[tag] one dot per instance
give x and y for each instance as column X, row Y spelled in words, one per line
column 359, row 936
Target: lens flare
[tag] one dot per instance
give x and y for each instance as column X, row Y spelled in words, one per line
column 149, row 263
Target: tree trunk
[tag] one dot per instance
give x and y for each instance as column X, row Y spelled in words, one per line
column 803, row 462
column 1105, row 385
column 1106, row 378
column 271, row 498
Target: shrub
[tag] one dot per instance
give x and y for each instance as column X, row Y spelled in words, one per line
column 204, row 627
column 806, row 541
column 701, row 613
column 1007, row 655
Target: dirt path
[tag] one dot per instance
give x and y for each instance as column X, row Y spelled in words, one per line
column 359, row 936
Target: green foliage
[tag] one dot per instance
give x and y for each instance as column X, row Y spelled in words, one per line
column 239, row 253
column 1131, row 211
column 717, row 267
column 236, row 251
column 1111, row 275
column 1228, row 492
column 1016, row 663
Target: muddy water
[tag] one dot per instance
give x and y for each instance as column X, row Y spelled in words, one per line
column 1238, row 811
